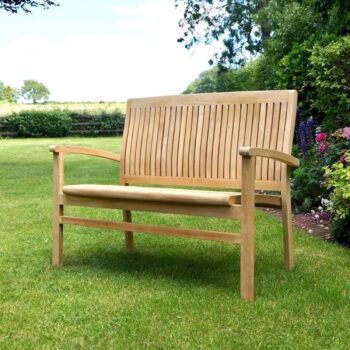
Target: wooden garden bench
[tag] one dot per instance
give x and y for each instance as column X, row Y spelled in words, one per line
column 236, row 140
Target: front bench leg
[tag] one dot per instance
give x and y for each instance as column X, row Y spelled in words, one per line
column 247, row 228
column 57, row 250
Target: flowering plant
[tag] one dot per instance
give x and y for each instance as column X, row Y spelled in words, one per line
column 323, row 178
column 317, row 150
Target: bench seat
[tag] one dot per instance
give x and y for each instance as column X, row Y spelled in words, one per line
column 169, row 195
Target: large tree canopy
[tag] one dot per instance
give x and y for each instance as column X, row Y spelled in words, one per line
column 297, row 44
column 35, row 90
column 249, row 27
column 15, row 5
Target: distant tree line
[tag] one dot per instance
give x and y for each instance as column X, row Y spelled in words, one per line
column 31, row 90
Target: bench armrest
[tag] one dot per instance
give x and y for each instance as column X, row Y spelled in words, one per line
column 269, row 153
column 86, row 151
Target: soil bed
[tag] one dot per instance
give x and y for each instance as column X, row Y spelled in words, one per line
column 306, row 222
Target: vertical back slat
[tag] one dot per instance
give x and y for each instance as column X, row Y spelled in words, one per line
column 166, row 137
column 241, row 135
column 260, row 142
column 177, row 132
column 187, row 142
column 197, row 152
column 159, row 147
column 222, row 142
column 154, row 141
column 183, row 127
column 228, row 144
column 216, row 143
column 280, row 137
column 144, row 141
column 273, row 139
column 140, row 136
column 129, row 140
column 204, row 142
column 267, row 138
column 210, row 142
column 134, row 141
column 234, row 146
column 149, row 141
column 192, row 143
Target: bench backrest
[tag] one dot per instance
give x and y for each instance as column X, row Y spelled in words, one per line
column 193, row 140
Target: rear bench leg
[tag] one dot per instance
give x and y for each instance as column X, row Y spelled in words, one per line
column 57, row 247
column 129, row 237
column 287, row 223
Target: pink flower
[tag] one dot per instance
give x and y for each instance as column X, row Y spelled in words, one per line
column 346, row 132
column 322, row 147
column 320, row 137
column 342, row 159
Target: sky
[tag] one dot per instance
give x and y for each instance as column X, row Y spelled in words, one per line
column 109, row 50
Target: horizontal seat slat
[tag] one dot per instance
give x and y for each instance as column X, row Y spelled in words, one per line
column 153, row 194
column 219, row 211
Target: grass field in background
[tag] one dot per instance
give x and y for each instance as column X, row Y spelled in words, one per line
column 86, row 107
column 170, row 293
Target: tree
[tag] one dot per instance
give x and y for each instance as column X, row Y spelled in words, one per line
column 11, row 94
column 241, row 25
column 2, row 87
column 15, row 5
column 247, row 28
column 35, row 91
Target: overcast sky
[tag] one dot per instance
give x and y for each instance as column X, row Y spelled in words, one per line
column 89, row 50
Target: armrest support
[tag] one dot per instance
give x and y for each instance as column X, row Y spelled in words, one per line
column 86, row 151
column 269, row 153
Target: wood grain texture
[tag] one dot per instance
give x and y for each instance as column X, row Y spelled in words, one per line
column 58, row 175
column 159, row 230
column 247, row 229
column 85, row 151
column 199, row 136
column 224, row 211
column 236, row 140
column 153, row 194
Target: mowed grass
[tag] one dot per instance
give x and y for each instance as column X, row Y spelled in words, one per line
column 170, row 293
column 82, row 107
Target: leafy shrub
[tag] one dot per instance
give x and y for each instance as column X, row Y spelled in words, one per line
column 337, row 179
column 53, row 123
column 331, row 75
column 340, row 230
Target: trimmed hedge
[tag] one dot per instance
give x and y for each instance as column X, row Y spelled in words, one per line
column 58, row 123
column 53, row 123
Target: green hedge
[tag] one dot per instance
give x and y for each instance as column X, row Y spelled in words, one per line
column 53, row 123
column 58, row 123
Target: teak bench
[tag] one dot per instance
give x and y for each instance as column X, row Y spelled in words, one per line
column 235, row 140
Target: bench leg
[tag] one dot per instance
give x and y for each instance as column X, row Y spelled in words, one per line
column 287, row 225
column 129, row 237
column 247, row 229
column 57, row 246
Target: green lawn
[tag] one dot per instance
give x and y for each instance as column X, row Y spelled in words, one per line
column 170, row 293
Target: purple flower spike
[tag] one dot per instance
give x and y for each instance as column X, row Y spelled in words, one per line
column 302, row 137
